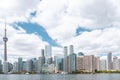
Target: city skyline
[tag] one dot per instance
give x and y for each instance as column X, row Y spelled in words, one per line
column 68, row 63
column 91, row 26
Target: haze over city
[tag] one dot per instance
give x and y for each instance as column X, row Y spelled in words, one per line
column 92, row 26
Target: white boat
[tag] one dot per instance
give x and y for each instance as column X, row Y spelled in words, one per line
column 27, row 73
column 64, row 72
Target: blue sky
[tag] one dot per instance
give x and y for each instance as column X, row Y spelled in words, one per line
column 39, row 30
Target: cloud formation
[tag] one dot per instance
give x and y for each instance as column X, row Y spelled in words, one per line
column 61, row 20
column 100, row 16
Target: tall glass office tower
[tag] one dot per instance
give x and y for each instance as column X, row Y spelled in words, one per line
column 109, row 57
column 48, row 54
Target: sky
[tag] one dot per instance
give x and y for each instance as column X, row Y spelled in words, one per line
column 92, row 26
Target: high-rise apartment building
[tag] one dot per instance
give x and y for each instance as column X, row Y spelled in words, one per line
column 58, row 63
column 42, row 56
column 0, row 66
column 29, row 65
column 15, row 67
column 80, row 64
column 20, row 64
column 89, row 63
column 97, row 63
column 73, row 63
column 48, row 53
column 103, row 65
column 115, row 63
column 109, row 58
column 65, row 60
column 71, row 60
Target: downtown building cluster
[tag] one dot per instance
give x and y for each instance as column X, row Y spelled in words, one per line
column 43, row 64
column 46, row 63
column 67, row 63
column 91, row 63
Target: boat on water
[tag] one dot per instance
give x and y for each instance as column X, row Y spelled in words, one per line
column 64, row 72
column 27, row 73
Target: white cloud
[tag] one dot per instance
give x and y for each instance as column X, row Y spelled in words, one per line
column 17, row 10
column 97, row 41
column 61, row 19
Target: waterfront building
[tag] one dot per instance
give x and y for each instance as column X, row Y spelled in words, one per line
column 80, row 64
column 24, row 65
column 10, row 67
column 20, row 64
column 58, row 63
column 49, row 60
column 48, row 54
column 15, row 67
column 97, row 63
column 103, row 64
column 109, row 58
column 42, row 56
column 41, row 61
column 89, row 63
column 119, row 63
column 34, row 64
column 5, row 67
column 74, row 62
column 0, row 66
column 71, row 59
column 48, row 68
column 39, row 65
column 29, row 65
column 65, row 60
column 115, row 63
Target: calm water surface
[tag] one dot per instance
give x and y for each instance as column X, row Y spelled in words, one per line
column 61, row 77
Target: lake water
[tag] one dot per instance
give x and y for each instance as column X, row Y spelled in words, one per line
column 61, row 77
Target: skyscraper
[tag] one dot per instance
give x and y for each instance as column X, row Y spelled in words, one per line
column 0, row 66
column 109, row 57
column 71, row 49
column 40, row 62
column 65, row 61
column 48, row 53
column 29, row 65
column 58, row 63
column 42, row 57
column 20, row 64
column 72, row 59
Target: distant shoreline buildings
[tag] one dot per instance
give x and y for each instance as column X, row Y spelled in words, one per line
column 62, row 64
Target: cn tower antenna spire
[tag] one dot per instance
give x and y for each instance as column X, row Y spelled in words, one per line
column 5, row 28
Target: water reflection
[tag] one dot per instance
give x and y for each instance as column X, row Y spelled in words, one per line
column 62, row 77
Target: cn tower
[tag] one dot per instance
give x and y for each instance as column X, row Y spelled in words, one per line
column 5, row 39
